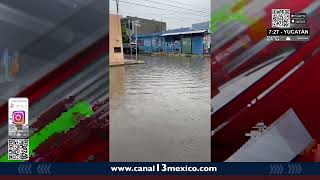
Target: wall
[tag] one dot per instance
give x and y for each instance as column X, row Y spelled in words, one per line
column 146, row 25
column 150, row 44
column 206, row 44
column 201, row 26
column 186, row 45
column 115, row 40
column 197, row 44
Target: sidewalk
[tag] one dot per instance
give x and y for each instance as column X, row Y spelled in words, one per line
column 179, row 55
column 128, row 62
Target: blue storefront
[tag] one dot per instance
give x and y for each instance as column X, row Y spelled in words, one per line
column 197, row 44
column 189, row 40
column 150, row 43
column 183, row 40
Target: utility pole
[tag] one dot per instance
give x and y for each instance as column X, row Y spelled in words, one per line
column 135, row 30
column 130, row 37
column 160, row 37
column 136, row 26
column 117, row 1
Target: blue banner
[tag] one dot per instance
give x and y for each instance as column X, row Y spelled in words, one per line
column 160, row 168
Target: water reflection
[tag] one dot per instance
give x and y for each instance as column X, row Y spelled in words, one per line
column 160, row 110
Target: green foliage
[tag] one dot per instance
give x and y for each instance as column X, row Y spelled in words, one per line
column 60, row 125
column 125, row 38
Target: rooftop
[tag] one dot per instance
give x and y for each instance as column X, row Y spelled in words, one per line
column 172, row 32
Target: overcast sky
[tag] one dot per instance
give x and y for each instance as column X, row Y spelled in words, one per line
column 176, row 13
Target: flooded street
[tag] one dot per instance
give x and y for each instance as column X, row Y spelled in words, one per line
column 160, row 110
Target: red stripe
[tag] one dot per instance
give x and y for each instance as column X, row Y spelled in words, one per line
column 56, row 77
column 245, row 97
column 300, row 92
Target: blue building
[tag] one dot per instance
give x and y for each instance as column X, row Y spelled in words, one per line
column 149, row 43
column 195, row 40
column 190, row 41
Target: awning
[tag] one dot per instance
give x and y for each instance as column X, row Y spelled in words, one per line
column 186, row 32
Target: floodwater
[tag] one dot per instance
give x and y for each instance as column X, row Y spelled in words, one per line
column 160, row 110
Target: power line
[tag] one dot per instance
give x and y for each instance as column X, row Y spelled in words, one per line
column 166, row 17
column 186, row 18
column 169, row 13
column 172, row 13
column 181, row 3
column 169, row 20
column 146, row 13
column 175, row 6
column 158, row 8
column 163, row 16
column 183, row 20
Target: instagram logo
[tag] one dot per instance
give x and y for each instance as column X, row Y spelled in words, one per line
column 18, row 117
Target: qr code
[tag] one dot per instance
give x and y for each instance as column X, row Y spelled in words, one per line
column 18, row 149
column 281, row 18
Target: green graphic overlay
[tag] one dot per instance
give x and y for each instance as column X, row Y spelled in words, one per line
column 62, row 124
column 226, row 15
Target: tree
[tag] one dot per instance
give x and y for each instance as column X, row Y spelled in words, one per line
column 125, row 38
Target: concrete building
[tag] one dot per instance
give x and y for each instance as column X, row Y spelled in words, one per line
column 116, row 56
column 146, row 25
column 202, row 25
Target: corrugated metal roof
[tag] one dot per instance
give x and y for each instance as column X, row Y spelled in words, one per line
column 178, row 31
column 149, row 34
column 185, row 32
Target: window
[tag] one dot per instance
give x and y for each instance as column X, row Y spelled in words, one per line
column 117, row 49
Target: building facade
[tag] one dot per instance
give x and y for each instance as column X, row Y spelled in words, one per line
column 146, row 25
column 194, row 40
column 116, row 56
column 149, row 43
